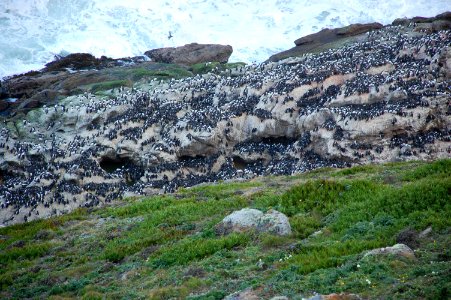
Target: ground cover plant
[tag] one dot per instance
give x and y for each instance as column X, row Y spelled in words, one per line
column 166, row 246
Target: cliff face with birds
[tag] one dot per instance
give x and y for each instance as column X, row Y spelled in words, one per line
column 372, row 96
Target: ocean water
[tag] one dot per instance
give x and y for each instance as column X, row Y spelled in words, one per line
column 32, row 32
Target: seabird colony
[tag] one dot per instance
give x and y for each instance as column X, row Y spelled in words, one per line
column 384, row 98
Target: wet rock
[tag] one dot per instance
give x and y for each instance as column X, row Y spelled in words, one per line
column 191, row 54
column 75, row 61
column 399, row 250
column 246, row 219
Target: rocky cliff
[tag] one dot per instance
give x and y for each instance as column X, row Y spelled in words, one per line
column 384, row 97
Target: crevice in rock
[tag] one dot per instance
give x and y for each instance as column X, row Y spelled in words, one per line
column 110, row 165
column 282, row 140
column 239, row 163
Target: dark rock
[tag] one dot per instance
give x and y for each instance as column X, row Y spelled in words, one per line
column 408, row 237
column 4, row 105
column 191, row 54
column 17, row 244
column 29, row 104
column 75, row 61
column 46, row 96
column 444, row 16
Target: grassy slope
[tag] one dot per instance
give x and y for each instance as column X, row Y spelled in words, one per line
column 165, row 246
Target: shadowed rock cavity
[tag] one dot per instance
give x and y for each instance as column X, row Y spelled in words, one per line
column 111, row 165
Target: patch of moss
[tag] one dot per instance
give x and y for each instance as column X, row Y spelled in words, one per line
column 203, row 68
column 108, row 85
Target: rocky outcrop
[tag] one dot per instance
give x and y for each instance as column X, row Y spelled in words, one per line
column 247, row 294
column 191, row 54
column 82, row 72
column 385, row 98
column 338, row 37
column 77, row 61
column 326, row 39
column 399, row 250
column 446, row 16
column 332, row 35
column 335, row 296
column 247, row 219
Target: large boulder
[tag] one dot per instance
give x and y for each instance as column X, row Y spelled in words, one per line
column 252, row 219
column 191, row 54
column 75, row 61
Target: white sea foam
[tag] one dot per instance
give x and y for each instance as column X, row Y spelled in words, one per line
column 33, row 31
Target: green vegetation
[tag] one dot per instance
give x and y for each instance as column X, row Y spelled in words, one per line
column 203, row 68
column 108, row 85
column 161, row 71
column 166, row 247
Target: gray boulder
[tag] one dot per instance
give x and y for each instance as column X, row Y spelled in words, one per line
column 400, row 250
column 191, row 54
column 252, row 219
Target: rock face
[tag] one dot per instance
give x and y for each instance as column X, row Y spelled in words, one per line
column 385, row 98
column 326, row 38
column 446, row 16
column 338, row 37
column 330, row 35
column 334, row 296
column 252, row 219
column 191, row 54
column 247, row 294
column 76, row 61
column 397, row 250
